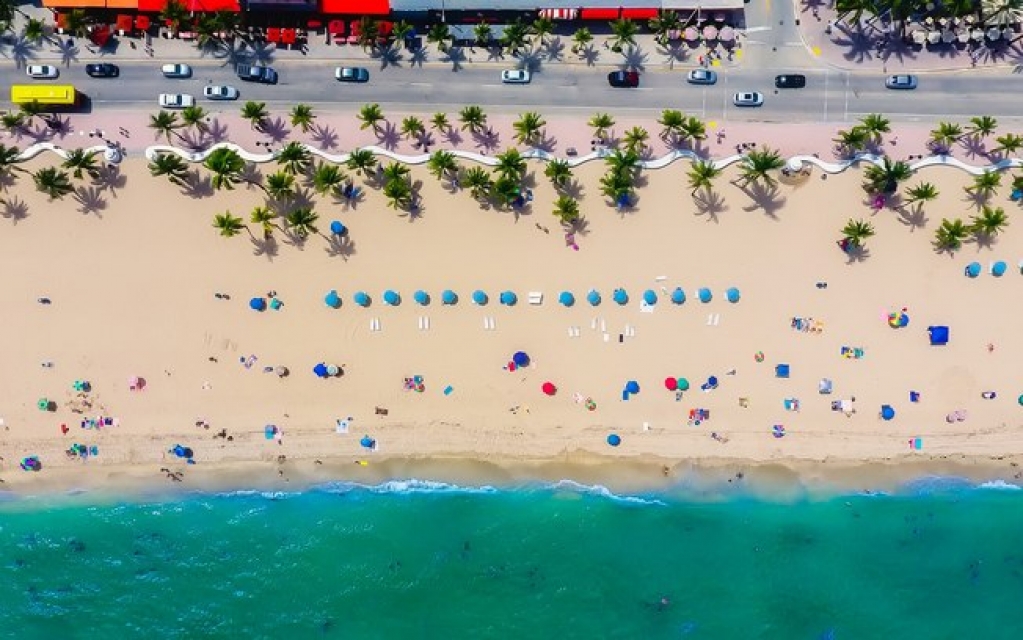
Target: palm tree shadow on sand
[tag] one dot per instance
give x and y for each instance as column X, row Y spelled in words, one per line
column 325, row 137
column 455, row 56
column 197, row 185
column 15, row 209
column 635, row 59
column 388, row 136
column 580, row 226
column 709, row 203
column 340, row 247
column 913, row 217
column 109, row 177
column 265, row 246
column 488, row 140
column 90, row 200
column 766, row 198
column 856, row 253
column 275, row 128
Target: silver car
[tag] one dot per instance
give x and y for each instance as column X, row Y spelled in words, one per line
column 748, row 99
column 176, row 71
column 516, row 76
column 219, row 92
column 900, row 82
column 702, row 76
column 176, row 100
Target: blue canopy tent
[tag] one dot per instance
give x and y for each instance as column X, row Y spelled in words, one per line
column 732, row 294
column 449, row 297
column 361, row 298
column 973, row 269
column 887, row 412
column 257, row 304
column 593, row 297
column 337, row 228
column 421, row 297
column 614, row 440
column 650, row 297
column 332, row 299
column 998, row 269
column 938, row 335
column 508, row 298
column 566, row 298
column 521, row 359
column 621, row 297
column 678, row 296
column 705, row 295
column 392, row 298
column 480, row 297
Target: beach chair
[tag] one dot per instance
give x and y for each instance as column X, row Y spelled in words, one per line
column 535, row 297
column 824, row 386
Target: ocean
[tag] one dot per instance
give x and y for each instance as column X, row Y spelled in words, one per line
column 411, row 559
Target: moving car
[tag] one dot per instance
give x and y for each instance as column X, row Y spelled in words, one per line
column 176, row 100
column 790, row 81
column 102, row 70
column 351, row 74
column 900, row 82
column 702, row 76
column 219, row 92
column 176, row 71
column 623, row 79
column 41, row 71
column 748, row 99
column 256, row 73
column 516, row 76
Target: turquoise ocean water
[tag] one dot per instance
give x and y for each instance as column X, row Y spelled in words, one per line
column 424, row 560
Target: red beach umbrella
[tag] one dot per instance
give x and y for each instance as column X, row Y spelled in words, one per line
column 549, row 388
column 671, row 384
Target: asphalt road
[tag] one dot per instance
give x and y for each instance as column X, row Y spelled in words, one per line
column 830, row 96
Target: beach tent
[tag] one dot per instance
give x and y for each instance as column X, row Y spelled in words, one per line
column 337, row 228
column 593, row 297
column 479, row 297
column 421, row 297
column 508, row 298
column 973, row 269
column 678, row 296
column 705, row 295
column 332, row 299
column 320, row 370
column 566, row 298
column 649, row 297
column 732, row 295
column 998, row 269
column 361, row 298
column 521, row 359
column 938, row 335
column 781, row 371
column 614, row 440
column 257, row 304
column 392, row 298
column 449, row 297
column 621, row 297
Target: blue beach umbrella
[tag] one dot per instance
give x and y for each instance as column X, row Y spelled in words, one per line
column 650, row 297
column 332, row 300
column 509, row 299
column 392, row 298
column 257, row 304
column 521, row 359
column 566, row 298
column 632, row 386
column 705, row 295
column 448, row 297
column 973, row 269
column 480, row 297
column 361, row 298
column 614, row 440
column 367, row 443
column 733, row 295
column 421, row 297
column 621, row 297
column 337, row 228
column 887, row 412
column 320, row 370
column 678, row 296
column 593, row 297
column 998, row 269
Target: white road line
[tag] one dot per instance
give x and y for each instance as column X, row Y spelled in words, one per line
column 826, row 77
column 846, row 119
column 756, row 29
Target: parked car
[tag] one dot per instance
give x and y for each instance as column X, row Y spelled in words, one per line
column 176, row 71
column 623, row 79
column 790, row 81
column 748, row 99
column 351, row 74
column 176, row 100
column 102, row 70
column 256, row 73
column 516, row 76
column 41, row 71
column 900, row 82
column 702, row 76
column 219, row 92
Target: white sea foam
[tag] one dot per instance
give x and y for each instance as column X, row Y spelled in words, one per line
column 603, row 492
column 406, row 486
column 999, row 485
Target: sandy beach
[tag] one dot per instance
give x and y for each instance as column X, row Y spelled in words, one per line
column 133, row 285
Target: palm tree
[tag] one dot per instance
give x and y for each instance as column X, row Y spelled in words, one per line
column 174, row 14
column 280, row 185
column 701, row 175
column 601, row 123
column 663, row 23
column 990, row 222
column 302, row 221
column 10, row 157
column 255, row 113
column 479, row 182
column 264, row 217
column 758, row 166
column 440, row 35
column 950, row 235
column 443, row 163
column 510, row 164
column 327, row 178
column 616, row 186
column 671, row 122
column 885, row 178
column 875, row 125
column 852, row 141
column 855, row 232
column 82, row 162
column 623, row 33
column 920, row 193
column 294, row 157
column 194, row 116
column 362, row 160
column 472, row 118
column 558, row 172
column 396, row 172
column 543, row 27
column 439, row 122
column 635, row 139
column 983, row 126
column 412, row 128
column 482, row 34
column 53, row 182
column 226, row 166
column 515, row 36
column 402, row 31
column 580, row 39
column 165, row 123
column 398, row 194
column 170, row 165
column 1008, row 143
column 228, row 225
column 985, row 184
column 945, row 135
column 853, row 10
column 505, row 190
column 1001, row 13
column 12, row 121
column 566, row 209
column 369, row 32
column 34, row 31
column 302, row 116
column 76, row 22
column 625, row 163
column 371, row 116
column 693, row 129
column 529, row 128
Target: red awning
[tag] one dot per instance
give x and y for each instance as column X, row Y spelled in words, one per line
column 273, row 34
column 213, row 5
column 599, row 14
column 336, row 27
column 639, row 14
column 142, row 23
column 154, row 6
column 288, row 36
column 356, row 7
column 124, row 22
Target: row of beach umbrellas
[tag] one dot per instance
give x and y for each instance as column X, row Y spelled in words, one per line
column 510, row 298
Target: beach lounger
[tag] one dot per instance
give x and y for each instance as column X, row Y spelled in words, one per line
column 535, row 297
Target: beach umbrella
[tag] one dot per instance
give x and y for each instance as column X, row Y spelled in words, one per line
column 43, row 404
column 332, row 299
column 509, row 299
column 421, row 297
column 712, row 382
column 650, row 297
column 281, row 371
column 392, row 298
column 705, row 295
column 566, row 298
column 632, row 386
column 521, row 359
column 257, row 304
column 178, row 450
column 732, row 295
column 320, row 370
column 337, row 228
column 998, row 269
column 621, row 297
column 549, row 388
column 367, row 443
column 678, row 296
column 479, row 297
column 683, row 384
column 333, row 370
column 973, row 269
column 449, row 297
column 671, row 384
column 614, row 440
column 593, row 297
column 887, row 412
column 361, row 298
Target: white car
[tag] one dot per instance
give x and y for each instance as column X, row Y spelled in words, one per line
column 176, row 71
column 516, row 76
column 748, row 99
column 176, row 100
column 219, row 92
column 41, row 71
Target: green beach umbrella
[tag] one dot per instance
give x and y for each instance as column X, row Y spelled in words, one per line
column 43, row 404
column 683, row 384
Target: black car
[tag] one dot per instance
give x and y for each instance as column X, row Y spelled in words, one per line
column 102, row 70
column 793, row 81
column 623, row 79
